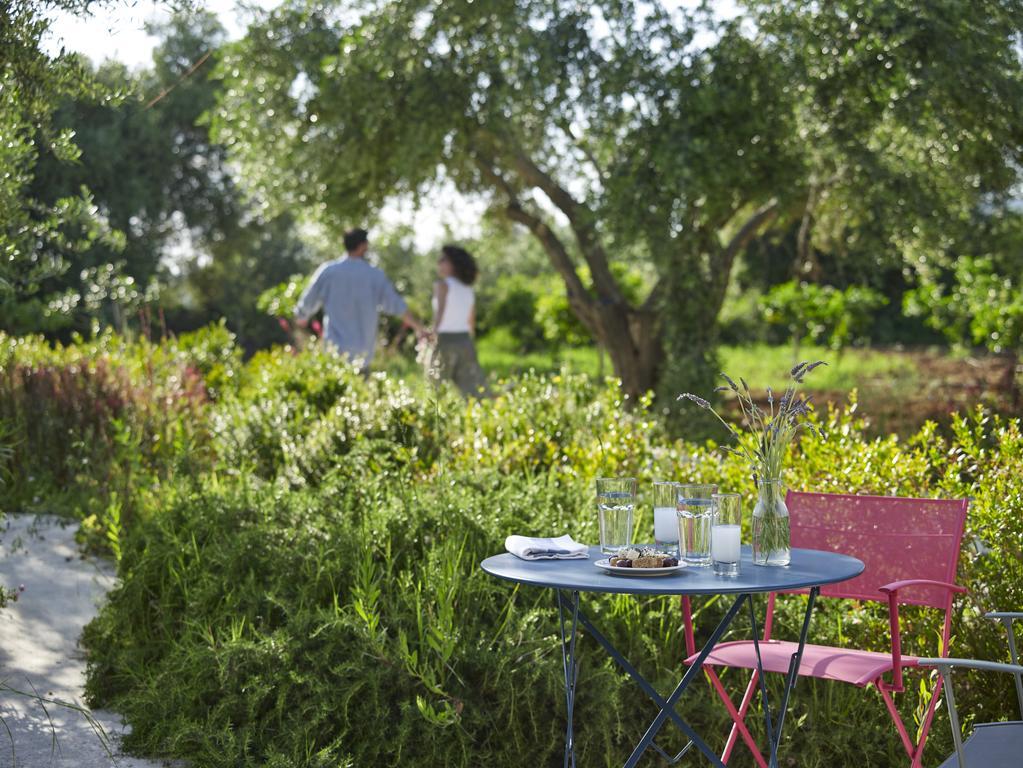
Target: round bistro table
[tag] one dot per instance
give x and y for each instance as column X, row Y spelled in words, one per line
column 809, row 569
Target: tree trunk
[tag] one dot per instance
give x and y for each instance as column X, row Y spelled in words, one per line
column 636, row 338
column 633, row 342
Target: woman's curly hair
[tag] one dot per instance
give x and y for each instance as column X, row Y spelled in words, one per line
column 462, row 262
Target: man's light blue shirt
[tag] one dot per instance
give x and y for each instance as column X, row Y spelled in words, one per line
column 352, row 294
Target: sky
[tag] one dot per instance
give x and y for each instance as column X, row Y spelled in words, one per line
column 117, row 30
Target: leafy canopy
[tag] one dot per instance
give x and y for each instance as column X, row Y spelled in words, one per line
column 37, row 236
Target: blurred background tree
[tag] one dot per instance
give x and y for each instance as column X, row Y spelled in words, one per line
column 797, row 172
column 167, row 217
column 976, row 299
column 615, row 134
column 39, row 236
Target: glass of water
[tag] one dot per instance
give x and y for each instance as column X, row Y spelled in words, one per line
column 666, row 516
column 695, row 510
column 616, row 501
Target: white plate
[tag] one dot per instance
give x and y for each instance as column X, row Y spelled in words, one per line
column 605, row 565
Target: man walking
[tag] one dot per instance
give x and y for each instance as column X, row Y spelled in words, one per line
column 352, row 293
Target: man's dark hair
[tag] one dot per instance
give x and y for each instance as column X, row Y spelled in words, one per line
column 462, row 262
column 354, row 238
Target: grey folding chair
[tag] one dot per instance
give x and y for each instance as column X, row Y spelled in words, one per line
column 991, row 745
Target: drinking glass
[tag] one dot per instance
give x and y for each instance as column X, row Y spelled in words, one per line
column 695, row 507
column 666, row 516
column 726, row 533
column 616, row 500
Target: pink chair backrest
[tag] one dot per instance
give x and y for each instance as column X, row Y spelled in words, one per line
column 896, row 538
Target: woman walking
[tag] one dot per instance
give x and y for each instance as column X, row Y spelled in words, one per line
column 454, row 321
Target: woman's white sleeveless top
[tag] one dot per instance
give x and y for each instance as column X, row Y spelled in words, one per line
column 457, row 307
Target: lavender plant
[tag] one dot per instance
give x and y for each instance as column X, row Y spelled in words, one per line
column 764, row 445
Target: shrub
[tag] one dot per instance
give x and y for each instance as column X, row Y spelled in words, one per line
column 813, row 313
column 305, row 589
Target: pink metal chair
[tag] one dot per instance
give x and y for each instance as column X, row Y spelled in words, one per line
column 910, row 548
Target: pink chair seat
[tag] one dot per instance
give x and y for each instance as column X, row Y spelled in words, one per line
column 822, row 661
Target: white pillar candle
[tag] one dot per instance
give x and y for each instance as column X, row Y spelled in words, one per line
column 665, row 524
column 724, row 543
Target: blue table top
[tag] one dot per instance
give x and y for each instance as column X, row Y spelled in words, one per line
column 809, row 567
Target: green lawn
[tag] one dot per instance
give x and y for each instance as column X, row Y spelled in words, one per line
column 898, row 389
column 761, row 365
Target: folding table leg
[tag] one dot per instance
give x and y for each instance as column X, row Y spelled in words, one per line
column 768, row 718
column 647, row 688
column 667, row 710
column 794, row 663
column 774, row 727
column 570, row 665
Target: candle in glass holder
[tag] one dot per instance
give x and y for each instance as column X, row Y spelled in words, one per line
column 724, row 543
column 665, row 525
column 666, row 516
column 726, row 534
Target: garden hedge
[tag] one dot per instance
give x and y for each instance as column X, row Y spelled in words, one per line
column 298, row 554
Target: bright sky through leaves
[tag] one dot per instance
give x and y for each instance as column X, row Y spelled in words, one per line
column 117, row 31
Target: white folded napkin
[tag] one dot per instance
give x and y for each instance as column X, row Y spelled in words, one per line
column 535, row 548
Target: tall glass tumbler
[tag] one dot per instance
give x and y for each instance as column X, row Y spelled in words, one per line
column 726, row 534
column 666, row 516
column 695, row 509
column 616, row 502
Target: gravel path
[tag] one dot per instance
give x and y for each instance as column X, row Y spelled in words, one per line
column 39, row 648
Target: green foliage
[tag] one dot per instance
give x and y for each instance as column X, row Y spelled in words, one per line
column 299, row 555
column 910, row 118
column 113, row 419
column 821, row 314
column 155, row 180
column 510, row 304
column 280, row 300
column 513, row 279
column 979, row 305
column 37, row 235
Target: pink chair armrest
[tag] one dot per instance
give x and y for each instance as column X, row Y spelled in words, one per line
column 897, row 585
column 893, row 620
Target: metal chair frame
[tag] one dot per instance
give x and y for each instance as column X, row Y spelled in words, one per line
column 946, row 665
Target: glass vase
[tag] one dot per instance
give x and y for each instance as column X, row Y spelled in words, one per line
column 772, row 544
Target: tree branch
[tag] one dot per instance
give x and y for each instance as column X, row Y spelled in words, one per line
column 750, row 229
column 760, row 218
column 579, row 217
column 650, row 303
column 807, row 260
column 579, row 144
column 554, row 247
column 578, row 297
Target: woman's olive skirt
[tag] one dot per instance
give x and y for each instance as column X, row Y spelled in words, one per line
column 454, row 358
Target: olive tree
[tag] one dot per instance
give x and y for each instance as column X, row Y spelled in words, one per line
column 910, row 117
column 603, row 129
column 621, row 130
